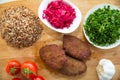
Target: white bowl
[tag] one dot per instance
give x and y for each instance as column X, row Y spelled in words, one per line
column 73, row 26
column 87, row 37
column 4, row 1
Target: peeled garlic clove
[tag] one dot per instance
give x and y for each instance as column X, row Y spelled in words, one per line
column 105, row 69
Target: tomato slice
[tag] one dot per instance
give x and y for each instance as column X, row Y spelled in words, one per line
column 28, row 68
column 38, row 78
column 13, row 67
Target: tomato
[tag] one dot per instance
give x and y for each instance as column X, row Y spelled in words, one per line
column 32, row 76
column 29, row 68
column 13, row 67
column 16, row 79
column 38, row 78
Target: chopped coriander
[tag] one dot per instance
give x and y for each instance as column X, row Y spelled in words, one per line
column 103, row 26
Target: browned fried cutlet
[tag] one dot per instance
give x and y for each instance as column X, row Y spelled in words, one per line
column 53, row 55
column 73, row 67
column 76, row 48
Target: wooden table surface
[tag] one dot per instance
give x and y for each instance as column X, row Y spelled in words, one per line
column 51, row 37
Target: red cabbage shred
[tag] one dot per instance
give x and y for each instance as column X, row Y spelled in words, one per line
column 59, row 14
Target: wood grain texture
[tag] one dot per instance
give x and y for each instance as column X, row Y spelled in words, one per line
column 50, row 37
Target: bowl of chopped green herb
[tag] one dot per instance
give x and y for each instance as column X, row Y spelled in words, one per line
column 102, row 26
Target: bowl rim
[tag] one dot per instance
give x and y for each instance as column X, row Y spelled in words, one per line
column 88, row 14
column 72, row 27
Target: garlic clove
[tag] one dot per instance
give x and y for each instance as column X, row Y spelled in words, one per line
column 105, row 69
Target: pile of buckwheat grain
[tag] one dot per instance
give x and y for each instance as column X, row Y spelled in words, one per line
column 20, row 27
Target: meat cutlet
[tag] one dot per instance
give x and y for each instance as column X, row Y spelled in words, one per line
column 76, row 48
column 73, row 67
column 53, row 55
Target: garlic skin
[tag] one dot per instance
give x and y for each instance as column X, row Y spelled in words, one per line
column 105, row 69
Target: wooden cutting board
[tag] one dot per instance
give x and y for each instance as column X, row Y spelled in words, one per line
column 51, row 37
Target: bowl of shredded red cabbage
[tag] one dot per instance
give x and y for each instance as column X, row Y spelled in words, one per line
column 60, row 15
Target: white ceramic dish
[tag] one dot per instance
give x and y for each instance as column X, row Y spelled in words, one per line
column 87, row 15
column 73, row 26
column 4, row 1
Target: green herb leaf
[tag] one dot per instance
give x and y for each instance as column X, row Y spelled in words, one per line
column 103, row 26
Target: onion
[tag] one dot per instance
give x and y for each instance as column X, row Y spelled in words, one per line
column 59, row 14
